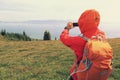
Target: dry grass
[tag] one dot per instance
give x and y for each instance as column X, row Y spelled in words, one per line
column 42, row 60
column 34, row 60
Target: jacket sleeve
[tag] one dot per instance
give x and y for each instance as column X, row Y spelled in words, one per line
column 74, row 42
column 65, row 38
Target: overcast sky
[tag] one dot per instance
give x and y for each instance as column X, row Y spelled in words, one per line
column 22, row 10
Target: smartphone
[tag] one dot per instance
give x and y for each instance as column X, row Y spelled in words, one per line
column 75, row 24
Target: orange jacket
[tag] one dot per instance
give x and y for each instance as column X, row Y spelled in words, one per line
column 88, row 25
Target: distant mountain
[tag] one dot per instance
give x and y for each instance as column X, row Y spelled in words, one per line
column 45, row 21
column 39, row 21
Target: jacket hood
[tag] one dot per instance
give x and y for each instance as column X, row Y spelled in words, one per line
column 89, row 20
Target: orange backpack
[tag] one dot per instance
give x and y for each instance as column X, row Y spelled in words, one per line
column 96, row 61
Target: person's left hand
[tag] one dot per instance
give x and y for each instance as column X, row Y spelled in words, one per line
column 69, row 25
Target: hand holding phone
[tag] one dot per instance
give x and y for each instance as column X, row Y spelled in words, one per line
column 70, row 25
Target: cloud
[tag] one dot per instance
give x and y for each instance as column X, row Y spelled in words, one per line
column 57, row 9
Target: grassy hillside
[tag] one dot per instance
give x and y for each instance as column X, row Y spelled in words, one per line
column 43, row 60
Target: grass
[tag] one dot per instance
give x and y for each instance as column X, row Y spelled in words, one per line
column 43, row 60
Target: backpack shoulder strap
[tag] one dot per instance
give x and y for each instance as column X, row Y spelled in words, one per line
column 85, row 38
column 98, row 37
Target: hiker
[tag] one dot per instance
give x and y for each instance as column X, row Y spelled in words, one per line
column 88, row 23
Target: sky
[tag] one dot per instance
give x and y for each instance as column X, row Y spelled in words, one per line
column 23, row 10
